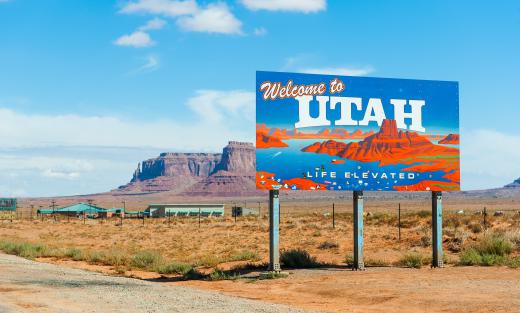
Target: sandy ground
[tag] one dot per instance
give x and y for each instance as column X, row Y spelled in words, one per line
column 27, row 286
column 452, row 289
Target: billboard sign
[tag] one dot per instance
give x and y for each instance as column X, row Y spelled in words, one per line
column 7, row 204
column 329, row 132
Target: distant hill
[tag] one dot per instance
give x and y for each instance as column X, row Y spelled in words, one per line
column 230, row 173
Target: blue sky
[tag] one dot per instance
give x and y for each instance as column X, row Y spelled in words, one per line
column 89, row 88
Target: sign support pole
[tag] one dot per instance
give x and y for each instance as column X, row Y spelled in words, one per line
column 437, row 229
column 274, row 231
column 358, row 230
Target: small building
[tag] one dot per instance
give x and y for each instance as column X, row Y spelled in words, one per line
column 185, row 209
column 7, row 208
column 243, row 211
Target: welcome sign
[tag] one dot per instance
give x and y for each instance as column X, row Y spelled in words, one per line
column 328, row 132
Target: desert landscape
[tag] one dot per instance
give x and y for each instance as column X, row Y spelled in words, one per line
column 481, row 238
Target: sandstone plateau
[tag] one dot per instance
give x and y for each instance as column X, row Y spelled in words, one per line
column 231, row 172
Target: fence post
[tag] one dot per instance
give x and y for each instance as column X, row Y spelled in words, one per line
column 333, row 216
column 399, row 222
column 199, row 217
column 274, row 231
column 485, row 214
column 358, row 230
column 437, row 229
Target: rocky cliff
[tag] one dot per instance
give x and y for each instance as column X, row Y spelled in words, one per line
column 515, row 184
column 228, row 173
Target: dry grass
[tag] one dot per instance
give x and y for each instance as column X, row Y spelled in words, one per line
column 179, row 245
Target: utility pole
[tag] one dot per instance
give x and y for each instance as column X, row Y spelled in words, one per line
column 53, row 209
column 122, row 214
column 333, row 216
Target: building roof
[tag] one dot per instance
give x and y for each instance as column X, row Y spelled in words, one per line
column 81, row 207
column 191, row 205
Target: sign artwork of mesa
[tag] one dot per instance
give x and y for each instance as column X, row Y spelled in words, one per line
column 327, row 132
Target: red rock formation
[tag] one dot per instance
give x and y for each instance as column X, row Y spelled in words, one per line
column 388, row 146
column 218, row 174
column 451, row 139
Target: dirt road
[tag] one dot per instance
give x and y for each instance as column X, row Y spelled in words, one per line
column 27, row 286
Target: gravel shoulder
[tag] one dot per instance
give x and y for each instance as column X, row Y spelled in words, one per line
column 28, row 286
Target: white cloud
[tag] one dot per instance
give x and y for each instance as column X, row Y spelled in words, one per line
column 339, row 71
column 140, row 38
column 215, row 18
column 137, row 39
column 153, row 24
column 305, row 6
column 48, row 155
column 489, row 158
column 216, row 106
column 219, row 116
column 260, row 31
column 169, row 8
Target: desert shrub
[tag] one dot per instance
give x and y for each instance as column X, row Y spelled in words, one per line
column 412, row 259
column 74, row 253
column 174, row 268
column 493, row 249
column 221, row 275
column 298, row 258
column 375, row 262
column 96, row 257
column 514, row 237
column 452, row 220
column 23, row 249
column 475, row 228
column 245, row 255
column 328, row 245
column 115, row 257
column 494, row 244
column 146, row 259
column 470, row 257
column 426, row 241
column 210, row 260
column 514, row 262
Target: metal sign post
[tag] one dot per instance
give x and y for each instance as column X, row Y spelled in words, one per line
column 274, row 231
column 437, row 229
column 358, row 231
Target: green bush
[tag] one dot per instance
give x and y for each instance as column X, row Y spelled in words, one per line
column 493, row 249
column 298, row 258
column 221, row 275
column 494, row 244
column 74, row 253
column 245, row 255
column 174, row 268
column 470, row 257
column 412, row 259
column 146, row 260
column 115, row 257
column 23, row 249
